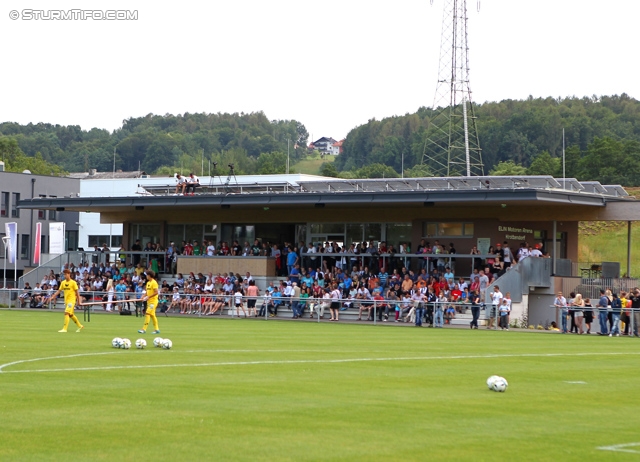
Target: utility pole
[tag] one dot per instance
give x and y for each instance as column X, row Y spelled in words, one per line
column 452, row 147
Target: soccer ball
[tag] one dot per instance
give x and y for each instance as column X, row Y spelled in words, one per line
column 116, row 342
column 491, row 380
column 167, row 344
column 126, row 344
column 141, row 343
column 500, row 385
column 157, row 342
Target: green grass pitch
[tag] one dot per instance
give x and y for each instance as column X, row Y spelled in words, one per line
column 254, row 390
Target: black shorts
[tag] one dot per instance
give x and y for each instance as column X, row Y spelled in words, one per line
column 335, row 305
column 251, row 303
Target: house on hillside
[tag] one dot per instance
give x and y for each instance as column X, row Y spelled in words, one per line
column 327, row 145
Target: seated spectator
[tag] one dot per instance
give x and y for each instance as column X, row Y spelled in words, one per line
column 191, row 184
column 180, row 184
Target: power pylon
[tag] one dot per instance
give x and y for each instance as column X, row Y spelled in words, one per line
column 452, row 147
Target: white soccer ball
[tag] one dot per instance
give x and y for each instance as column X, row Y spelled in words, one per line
column 141, row 343
column 167, row 344
column 126, row 344
column 116, row 342
column 500, row 385
column 157, row 342
column 491, row 380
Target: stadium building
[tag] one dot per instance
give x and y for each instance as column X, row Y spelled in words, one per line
column 463, row 211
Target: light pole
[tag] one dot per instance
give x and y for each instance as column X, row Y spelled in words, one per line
column 6, row 242
column 288, row 141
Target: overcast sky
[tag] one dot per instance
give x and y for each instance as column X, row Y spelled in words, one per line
column 330, row 64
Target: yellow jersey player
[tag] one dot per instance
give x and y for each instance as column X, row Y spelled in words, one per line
column 71, row 296
column 151, row 297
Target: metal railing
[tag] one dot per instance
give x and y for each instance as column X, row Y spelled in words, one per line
column 203, row 304
column 77, row 258
column 590, row 288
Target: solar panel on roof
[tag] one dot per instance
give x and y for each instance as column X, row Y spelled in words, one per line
column 593, row 187
column 616, row 190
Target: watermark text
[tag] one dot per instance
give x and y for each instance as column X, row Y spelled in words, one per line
column 74, row 15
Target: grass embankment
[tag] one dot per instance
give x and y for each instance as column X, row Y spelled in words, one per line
column 600, row 241
column 311, row 165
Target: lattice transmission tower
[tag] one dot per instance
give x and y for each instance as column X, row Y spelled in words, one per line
column 452, row 147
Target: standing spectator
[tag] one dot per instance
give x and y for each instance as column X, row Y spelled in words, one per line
column 616, row 308
column 561, row 304
column 475, row 309
column 292, row 259
column 334, row 308
column 496, row 301
column 252, row 294
column 578, row 313
column 452, row 260
column 295, row 299
column 507, row 255
column 136, row 247
column 588, row 314
column 635, row 310
column 504, row 314
column 603, row 305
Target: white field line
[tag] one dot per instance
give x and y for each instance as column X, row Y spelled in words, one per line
column 294, row 361
column 621, row 448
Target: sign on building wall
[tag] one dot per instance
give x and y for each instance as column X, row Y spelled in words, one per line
column 56, row 238
column 11, row 230
column 483, row 245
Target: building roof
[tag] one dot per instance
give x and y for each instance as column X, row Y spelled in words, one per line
column 309, row 190
column 93, row 174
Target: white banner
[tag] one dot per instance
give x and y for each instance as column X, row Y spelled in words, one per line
column 56, row 238
column 11, row 231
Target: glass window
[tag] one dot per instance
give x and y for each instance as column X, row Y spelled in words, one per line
column 4, row 204
column 52, row 213
column 193, row 233
column 327, row 228
column 15, row 212
column 450, row 229
column 447, row 229
column 2, row 245
column 175, row 233
column 373, row 232
column 97, row 240
column 355, row 232
column 398, row 233
column 43, row 244
column 539, row 235
column 42, row 214
column 148, row 233
column 24, row 247
column 71, row 239
column 116, row 241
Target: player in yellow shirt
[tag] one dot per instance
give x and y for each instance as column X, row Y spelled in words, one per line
column 71, row 297
column 151, row 298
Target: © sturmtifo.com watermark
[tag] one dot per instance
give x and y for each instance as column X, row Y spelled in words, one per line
column 74, row 15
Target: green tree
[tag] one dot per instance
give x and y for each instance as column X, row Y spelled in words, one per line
column 377, row 171
column 612, row 162
column 328, row 169
column 508, row 168
column 270, row 163
column 544, row 164
column 418, row 171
